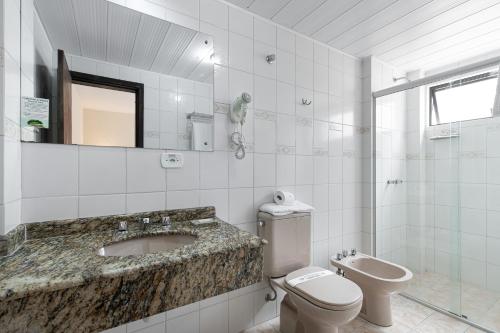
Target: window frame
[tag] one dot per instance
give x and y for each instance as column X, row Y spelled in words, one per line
column 433, row 106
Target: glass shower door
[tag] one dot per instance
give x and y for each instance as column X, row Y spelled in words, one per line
column 417, row 198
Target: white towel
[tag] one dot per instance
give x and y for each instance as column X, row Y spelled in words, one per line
column 279, row 210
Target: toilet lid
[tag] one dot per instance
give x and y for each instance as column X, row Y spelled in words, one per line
column 324, row 288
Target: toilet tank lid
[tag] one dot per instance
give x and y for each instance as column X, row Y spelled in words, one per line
column 330, row 291
column 267, row 216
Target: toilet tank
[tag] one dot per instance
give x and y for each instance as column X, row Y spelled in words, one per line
column 289, row 242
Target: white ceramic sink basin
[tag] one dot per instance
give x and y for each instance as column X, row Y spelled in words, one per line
column 143, row 245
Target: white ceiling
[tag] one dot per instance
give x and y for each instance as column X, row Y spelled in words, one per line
column 105, row 31
column 409, row 34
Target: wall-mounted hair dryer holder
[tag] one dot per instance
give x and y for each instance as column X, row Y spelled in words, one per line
column 238, row 114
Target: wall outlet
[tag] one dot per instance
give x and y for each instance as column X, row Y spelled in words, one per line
column 172, row 160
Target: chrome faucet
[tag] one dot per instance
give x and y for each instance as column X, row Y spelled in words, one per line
column 145, row 222
column 122, row 226
column 166, row 222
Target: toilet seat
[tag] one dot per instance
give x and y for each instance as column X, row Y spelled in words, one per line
column 330, row 291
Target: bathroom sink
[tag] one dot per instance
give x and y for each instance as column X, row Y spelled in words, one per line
column 144, row 245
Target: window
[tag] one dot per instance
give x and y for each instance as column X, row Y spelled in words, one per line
column 467, row 98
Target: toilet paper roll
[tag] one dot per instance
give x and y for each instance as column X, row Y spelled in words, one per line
column 284, row 198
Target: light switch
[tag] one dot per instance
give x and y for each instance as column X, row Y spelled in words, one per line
column 172, row 160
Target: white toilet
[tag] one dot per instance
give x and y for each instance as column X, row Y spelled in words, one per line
column 317, row 300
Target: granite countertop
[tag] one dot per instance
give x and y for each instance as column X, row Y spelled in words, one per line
column 53, row 280
column 68, row 260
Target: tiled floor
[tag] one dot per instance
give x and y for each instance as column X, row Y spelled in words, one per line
column 480, row 305
column 408, row 317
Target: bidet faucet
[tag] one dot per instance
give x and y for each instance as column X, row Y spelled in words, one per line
column 145, row 222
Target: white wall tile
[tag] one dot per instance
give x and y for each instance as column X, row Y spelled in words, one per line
column 493, row 277
column 320, row 54
column 285, row 66
column 265, row 94
column 240, row 52
column 183, row 199
column 183, row 310
column 264, row 170
column 285, row 98
column 213, row 170
column 303, row 168
column 240, row 22
column 187, row 177
column 285, row 134
column 492, row 250
column 285, row 40
column 101, row 171
column 240, row 171
column 304, row 73
column 265, row 135
column 145, row 202
column 304, row 47
column 101, row 205
column 217, row 198
column 49, row 208
column 241, row 206
column 285, row 170
column 144, row 171
column 188, row 323
column 214, row 12
column 214, row 319
column 49, row 170
column 265, row 32
column 241, row 313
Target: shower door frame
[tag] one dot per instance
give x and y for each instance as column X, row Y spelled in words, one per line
column 495, row 61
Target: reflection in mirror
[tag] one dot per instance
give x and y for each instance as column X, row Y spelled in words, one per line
column 107, row 75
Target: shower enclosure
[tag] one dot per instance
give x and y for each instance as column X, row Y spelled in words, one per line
column 436, row 189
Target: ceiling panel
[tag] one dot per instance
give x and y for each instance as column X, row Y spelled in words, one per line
column 461, row 29
column 199, row 48
column 376, row 22
column 148, row 40
column 122, row 23
column 440, row 12
column 326, row 13
column 176, row 41
column 405, row 33
column 91, row 23
column 466, row 36
column 105, row 31
column 266, row 8
column 351, row 18
column 55, row 14
column 296, row 10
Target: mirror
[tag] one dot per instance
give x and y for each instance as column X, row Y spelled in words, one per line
column 107, row 75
